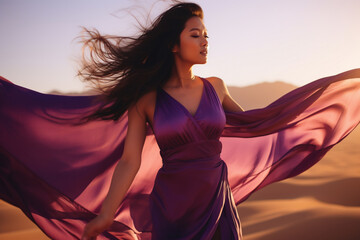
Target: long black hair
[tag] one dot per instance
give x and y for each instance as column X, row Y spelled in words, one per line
column 126, row 68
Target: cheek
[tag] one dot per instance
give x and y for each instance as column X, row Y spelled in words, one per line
column 189, row 48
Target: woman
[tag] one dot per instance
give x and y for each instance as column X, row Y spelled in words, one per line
column 213, row 155
column 180, row 38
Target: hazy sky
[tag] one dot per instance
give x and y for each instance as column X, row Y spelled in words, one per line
column 251, row 41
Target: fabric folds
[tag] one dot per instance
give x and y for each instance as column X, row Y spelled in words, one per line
column 58, row 172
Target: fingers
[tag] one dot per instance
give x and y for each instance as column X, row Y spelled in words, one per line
column 87, row 237
column 88, row 234
column 94, row 228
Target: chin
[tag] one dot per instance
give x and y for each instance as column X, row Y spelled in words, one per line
column 202, row 61
column 199, row 61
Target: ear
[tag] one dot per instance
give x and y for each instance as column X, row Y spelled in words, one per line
column 175, row 48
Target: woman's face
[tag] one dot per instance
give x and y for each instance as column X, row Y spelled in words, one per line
column 193, row 42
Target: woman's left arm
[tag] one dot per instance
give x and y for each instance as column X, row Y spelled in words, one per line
column 228, row 103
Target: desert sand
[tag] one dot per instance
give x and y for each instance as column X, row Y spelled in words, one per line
column 322, row 203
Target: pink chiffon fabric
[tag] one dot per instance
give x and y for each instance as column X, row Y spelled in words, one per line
column 58, row 172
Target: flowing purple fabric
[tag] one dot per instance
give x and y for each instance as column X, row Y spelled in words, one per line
column 194, row 169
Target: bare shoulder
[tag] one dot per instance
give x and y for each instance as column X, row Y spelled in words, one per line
column 219, row 86
column 147, row 98
column 228, row 103
column 146, row 105
column 216, row 82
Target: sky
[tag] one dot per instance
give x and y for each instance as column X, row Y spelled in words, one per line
column 250, row 41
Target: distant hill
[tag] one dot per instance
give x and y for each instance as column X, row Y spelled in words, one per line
column 249, row 97
column 259, row 95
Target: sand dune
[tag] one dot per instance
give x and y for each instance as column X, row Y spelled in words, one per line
column 323, row 203
column 31, row 234
column 299, row 218
column 14, row 225
column 259, row 95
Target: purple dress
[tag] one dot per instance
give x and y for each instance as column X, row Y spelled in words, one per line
column 191, row 194
column 194, row 169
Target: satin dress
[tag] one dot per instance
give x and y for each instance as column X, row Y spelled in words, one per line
column 194, row 169
column 191, row 195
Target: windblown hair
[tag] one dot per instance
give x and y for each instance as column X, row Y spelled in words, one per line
column 126, row 68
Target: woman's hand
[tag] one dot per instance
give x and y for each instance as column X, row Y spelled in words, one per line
column 95, row 227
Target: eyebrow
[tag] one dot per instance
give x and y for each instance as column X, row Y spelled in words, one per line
column 197, row 29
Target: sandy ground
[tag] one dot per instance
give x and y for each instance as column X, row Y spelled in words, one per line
column 322, row 203
column 14, row 225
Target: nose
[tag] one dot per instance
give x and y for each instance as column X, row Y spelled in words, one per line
column 205, row 42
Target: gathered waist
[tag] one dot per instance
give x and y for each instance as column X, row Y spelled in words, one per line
column 207, row 150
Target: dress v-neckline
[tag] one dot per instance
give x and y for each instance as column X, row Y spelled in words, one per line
column 183, row 107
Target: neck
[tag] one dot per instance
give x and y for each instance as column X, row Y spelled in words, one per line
column 182, row 75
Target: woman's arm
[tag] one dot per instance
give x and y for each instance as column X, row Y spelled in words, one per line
column 228, row 103
column 123, row 175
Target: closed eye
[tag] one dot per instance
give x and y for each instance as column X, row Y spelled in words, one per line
column 196, row 36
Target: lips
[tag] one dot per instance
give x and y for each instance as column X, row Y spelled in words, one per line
column 204, row 52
